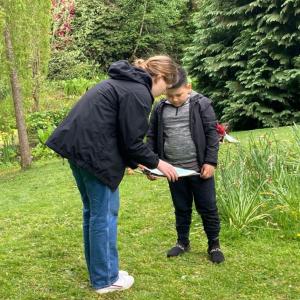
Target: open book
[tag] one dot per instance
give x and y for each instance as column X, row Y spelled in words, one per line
column 180, row 171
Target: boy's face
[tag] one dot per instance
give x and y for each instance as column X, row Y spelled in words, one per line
column 179, row 95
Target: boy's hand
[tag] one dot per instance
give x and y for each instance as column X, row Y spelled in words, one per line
column 207, row 171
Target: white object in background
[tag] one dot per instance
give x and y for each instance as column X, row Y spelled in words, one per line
column 230, row 138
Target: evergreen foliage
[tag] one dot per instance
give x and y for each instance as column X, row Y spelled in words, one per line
column 106, row 31
column 246, row 56
column 124, row 29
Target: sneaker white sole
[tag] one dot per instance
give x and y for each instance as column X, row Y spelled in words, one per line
column 116, row 288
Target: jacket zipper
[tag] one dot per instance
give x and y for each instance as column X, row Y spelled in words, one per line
column 160, row 131
column 192, row 108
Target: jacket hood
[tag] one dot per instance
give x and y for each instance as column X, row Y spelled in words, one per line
column 194, row 97
column 122, row 70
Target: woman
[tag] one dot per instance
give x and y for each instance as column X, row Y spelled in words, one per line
column 102, row 135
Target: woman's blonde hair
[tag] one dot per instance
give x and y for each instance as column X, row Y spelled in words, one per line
column 159, row 65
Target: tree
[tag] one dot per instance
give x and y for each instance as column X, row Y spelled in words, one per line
column 100, row 32
column 40, row 47
column 17, row 99
column 19, row 33
column 245, row 55
column 123, row 29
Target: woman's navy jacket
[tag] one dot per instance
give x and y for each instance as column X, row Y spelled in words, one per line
column 104, row 131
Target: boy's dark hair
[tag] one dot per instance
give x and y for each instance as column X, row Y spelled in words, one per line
column 181, row 78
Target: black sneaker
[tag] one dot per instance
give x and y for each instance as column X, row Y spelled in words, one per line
column 216, row 255
column 178, row 249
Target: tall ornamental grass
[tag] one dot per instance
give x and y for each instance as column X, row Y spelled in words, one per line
column 258, row 184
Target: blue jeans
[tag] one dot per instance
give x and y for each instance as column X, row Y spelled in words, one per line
column 100, row 216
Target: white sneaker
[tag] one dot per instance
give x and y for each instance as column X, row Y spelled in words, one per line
column 123, row 283
column 121, row 272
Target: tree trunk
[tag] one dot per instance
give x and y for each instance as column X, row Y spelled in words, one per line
column 36, row 80
column 192, row 5
column 17, row 99
column 140, row 31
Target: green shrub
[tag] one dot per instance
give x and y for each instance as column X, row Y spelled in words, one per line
column 41, row 150
column 7, row 115
column 44, row 120
column 4, row 90
column 77, row 86
column 43, row 135
column 9, row 150
column 69, row 64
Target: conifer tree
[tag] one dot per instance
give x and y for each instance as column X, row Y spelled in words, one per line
column 246, row 56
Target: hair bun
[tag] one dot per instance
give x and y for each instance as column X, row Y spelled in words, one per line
column 140, row 63
column 157, row 65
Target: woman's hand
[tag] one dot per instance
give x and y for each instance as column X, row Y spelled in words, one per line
column 167, row 170
column 151, row 177
column 207, row 171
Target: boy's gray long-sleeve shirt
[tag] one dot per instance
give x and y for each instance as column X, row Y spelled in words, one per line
column 179, row 147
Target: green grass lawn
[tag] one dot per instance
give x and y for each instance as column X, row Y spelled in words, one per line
column 41, row 253
column 280, row 133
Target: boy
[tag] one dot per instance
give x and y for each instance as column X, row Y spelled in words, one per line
column 183, row 132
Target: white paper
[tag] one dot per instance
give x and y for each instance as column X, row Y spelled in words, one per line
column 180, row 172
